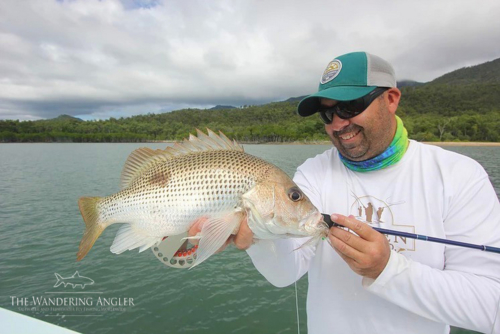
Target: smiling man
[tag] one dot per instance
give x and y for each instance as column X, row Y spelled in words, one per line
column 366, row 282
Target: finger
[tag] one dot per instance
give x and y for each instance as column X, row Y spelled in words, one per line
column 350, row 262
column 358, row 227
column 345, row 249
column 350, row 238
column 244, row 238
column 195, row 228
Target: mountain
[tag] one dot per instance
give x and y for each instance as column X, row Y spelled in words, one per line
column 488, row 72
column 469, row 90
column 217, row 107
column 295, row 99
column 462, row 105
column 67, row 118
column 409, row 83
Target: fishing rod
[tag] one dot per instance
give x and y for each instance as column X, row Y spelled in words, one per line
column 484, row 248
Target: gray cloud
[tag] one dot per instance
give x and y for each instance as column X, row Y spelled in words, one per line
column 99, row 59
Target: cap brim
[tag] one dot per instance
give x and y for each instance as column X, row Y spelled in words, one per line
column 311, row 104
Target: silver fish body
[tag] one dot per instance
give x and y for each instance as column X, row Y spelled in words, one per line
column 165, row 191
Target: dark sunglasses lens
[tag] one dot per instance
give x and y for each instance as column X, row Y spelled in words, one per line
column 341, row 111
column 350, row 109
column 326, row 115
column 346, row 112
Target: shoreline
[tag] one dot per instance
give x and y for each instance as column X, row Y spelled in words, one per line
column 436, row 143
column 326, row 142
column 464, row 143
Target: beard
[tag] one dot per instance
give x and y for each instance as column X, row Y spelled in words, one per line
column 370, row 140
column 354, row 151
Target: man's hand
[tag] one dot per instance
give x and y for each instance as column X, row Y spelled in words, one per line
column 242, row 240
column 367, row 253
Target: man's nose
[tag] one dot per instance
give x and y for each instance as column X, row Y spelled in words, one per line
column 338, row 123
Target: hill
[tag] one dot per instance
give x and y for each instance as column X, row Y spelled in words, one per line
column 468, row 90
column 67, row 118
column 409, row 83
column 463, row 105
column 221, row 107
column 488, row 72
column 295, row 99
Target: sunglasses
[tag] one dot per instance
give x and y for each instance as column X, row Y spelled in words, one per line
column 349, row 109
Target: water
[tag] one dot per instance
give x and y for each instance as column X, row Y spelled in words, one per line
column 41, row 228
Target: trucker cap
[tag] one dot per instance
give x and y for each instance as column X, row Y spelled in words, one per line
column 349, row 77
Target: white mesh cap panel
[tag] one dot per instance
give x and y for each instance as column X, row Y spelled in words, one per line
column 380, row 73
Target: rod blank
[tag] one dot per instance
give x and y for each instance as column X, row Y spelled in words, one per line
column 484, row 248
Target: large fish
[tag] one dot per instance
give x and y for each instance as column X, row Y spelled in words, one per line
column 165, row 191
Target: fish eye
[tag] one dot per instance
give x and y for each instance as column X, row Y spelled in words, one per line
column 295, row 194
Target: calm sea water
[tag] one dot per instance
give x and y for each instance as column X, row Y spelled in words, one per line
column 41, row 227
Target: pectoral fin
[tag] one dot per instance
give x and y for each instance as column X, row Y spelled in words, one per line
column 215, row 233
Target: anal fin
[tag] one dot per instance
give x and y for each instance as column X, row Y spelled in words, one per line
column 128, row 238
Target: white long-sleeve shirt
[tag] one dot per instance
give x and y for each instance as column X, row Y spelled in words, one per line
column 425, row 286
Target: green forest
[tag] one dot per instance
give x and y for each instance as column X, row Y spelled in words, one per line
column 463, row 105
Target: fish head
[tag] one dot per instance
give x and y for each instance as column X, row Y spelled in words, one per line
column 278, row 208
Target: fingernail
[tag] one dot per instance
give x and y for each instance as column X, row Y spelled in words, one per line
column 334, row 217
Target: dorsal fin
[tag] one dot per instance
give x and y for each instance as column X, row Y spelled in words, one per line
column 137, row 162
column 144, row 158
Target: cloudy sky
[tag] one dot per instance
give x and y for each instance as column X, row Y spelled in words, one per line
column 110, row 58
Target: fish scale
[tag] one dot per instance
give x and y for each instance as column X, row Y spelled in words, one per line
column 185, row 190
column 165, row 191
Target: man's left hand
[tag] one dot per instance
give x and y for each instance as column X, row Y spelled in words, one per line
column 367, row 253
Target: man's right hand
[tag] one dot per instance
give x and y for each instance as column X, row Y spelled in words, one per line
column 242, row 240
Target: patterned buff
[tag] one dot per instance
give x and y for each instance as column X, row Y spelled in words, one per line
column 389, row 157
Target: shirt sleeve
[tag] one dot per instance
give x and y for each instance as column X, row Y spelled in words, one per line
column 279, row 261
column 466, row 293
column 284, row 261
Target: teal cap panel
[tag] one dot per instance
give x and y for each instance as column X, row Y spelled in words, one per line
column 353, row 71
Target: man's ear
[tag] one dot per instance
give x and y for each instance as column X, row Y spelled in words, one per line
column 392, row 97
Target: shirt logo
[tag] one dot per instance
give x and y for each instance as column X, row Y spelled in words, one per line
column 378, row 213
column 331, row 71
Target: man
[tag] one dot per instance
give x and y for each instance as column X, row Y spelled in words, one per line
column 366, row 282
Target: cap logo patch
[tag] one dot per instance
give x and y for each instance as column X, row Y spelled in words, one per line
column 331, row 71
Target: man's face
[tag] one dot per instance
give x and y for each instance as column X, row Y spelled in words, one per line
column 364, row 136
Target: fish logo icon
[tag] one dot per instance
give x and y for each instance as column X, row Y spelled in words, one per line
column 74, row 280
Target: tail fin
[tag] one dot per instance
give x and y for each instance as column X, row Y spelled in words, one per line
column 60, row 280
column 93, row 229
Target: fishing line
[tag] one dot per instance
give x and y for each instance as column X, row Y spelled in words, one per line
column 496, row 318
column 297, row 307
column 296, row 292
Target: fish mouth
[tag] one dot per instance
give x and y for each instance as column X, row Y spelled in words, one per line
column 314, row 224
